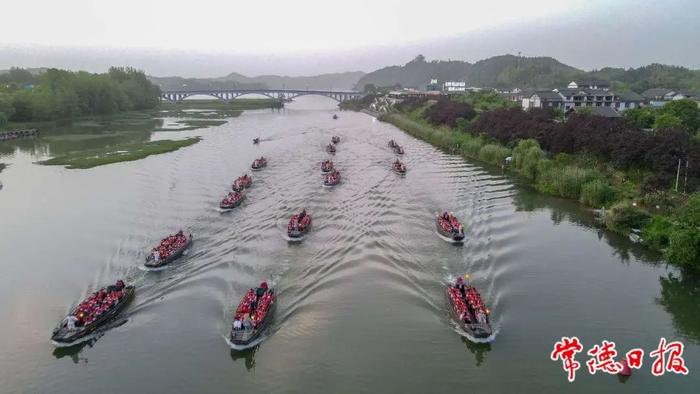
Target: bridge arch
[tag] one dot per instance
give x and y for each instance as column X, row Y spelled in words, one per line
column 228, row 95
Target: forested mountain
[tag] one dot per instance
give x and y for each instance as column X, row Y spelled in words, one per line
column 343, row 81
column 509, row 71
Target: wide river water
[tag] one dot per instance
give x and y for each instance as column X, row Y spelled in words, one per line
column 361, row 304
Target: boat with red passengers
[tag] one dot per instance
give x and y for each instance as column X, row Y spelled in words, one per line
column 232, row 200
column 94, row 312
column 399, row 167
column 169, row 250
column 326, row 166
column 468, row 308
column 448, row 226
column 299, row 225
column 332, row 179
column 241, row 183
column 253, row 315
column 259, row 164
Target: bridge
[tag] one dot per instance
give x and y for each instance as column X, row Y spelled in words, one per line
column 279, row 94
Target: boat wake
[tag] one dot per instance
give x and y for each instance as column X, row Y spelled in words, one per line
column 450, row 240
column 293, row 240
column 244, row 347
column 473, row 339
column 153, row 269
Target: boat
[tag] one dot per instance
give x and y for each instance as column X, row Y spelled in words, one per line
column 253, row 315
column 259, row 164
column 399, row 167
column 330, row 148
column 332, row 179
column 469, row 310
column 299, row 225
column 256, row 140
column 169, row 250
column 326, row 166
column 14, row 134
column 92, row 313
column 398, row 150
column 448, row 226
column 242, row 183
column 232, row 200
column 392, row 144
column 335, row 139
column 335, row 116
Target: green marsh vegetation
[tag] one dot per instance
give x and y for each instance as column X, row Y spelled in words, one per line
column 118, row 153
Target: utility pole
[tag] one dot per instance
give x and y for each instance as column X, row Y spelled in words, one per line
column 685, row 182
column 678, row 173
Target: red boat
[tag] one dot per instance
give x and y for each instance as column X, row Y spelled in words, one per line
column 468, row 309
column 332, row 179
column 448, row 226
column 299, row 225
column 242, row 183
column 399, row 167
column 232, row 200
column 330, row 148
column 253, row 315
column 259, row 164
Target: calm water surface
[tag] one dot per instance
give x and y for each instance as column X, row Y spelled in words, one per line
column 361, row 300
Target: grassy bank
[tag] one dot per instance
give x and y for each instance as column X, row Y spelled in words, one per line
column 119, row 153
column 668, row 222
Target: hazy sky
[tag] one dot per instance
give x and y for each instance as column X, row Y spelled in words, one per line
column 215, row 37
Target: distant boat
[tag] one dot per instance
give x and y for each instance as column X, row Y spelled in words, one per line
column 335, row 116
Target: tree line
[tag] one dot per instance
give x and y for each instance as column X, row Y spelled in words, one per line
column 61, row 94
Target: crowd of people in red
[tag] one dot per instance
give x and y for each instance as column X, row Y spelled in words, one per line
column 232, row 198
column 242, row 182
column 253, row 308
column 259, row 163
column 95, row 305
column 333, row 178
column 467, row 302
column 399, row 166
column 168, row 246
column 299, row 222
column 449, row 222
column 327, row 166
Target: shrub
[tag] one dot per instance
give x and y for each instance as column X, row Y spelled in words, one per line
column 446, row 112
column 597, row 193
column 526, row 158
column 492, row 153
column 624, row 216
column 656, row 234
column 684, row 247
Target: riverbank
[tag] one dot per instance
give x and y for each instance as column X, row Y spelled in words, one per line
column 663, row 221
column 115, row 154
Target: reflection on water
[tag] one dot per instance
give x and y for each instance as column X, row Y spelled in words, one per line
column 680, row 295
column 247, row 355
column 479, row 350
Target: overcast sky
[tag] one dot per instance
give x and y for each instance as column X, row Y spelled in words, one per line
column 215, row 37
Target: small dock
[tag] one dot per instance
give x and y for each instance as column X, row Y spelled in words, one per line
column 14, row 134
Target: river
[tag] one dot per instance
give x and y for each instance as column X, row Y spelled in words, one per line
column 361, row 304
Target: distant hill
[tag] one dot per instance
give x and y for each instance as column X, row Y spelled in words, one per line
column 509, row 71
column 416, row 73
column 343, row 81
